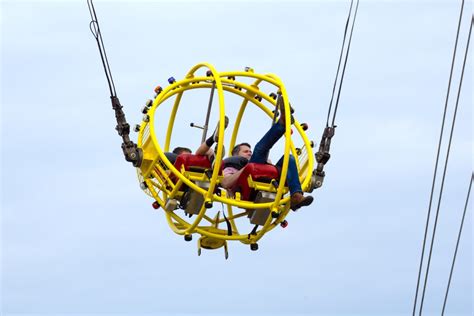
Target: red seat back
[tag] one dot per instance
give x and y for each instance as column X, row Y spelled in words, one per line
column 191, row 163
column 190, row 160
column 258, row 172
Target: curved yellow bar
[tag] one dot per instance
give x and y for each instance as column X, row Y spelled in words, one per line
column 156, row 169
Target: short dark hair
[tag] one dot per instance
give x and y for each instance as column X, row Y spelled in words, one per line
column 181, row 150
column 236, row 148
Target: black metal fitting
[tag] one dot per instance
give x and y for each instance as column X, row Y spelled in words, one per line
column 132, row 153
column 322, row 157
column 123, row 129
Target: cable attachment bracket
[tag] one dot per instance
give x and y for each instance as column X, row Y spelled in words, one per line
column 322, row 157
column 130, row 150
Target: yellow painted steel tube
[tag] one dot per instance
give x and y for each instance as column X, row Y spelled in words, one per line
column 250, row 90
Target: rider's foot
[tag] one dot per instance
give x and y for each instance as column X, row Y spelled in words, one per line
column 281, row 108
column 215, row 135
column 298, row 200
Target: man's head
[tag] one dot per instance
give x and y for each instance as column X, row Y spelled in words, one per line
column 181, row 150
column 242, row 150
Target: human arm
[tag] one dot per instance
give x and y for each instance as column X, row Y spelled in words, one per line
column 230, row 178
column 203, row 149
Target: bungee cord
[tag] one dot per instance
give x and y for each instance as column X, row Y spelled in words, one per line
column 323, row 155
column 339, row 63
column 443, row 179
column 342, row 53
column 444, row 170
column 436, row 163
column 470, row 184
column 95, row 29
column 457, row 244
column 130, row 150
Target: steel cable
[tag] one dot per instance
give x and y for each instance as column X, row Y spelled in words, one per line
column 444, row 177
column 436, row 164
column 339, row 64
column 457, row 245
column 95, row 29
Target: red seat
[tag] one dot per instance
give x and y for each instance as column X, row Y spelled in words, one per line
column 191, row 162
column 258, row 172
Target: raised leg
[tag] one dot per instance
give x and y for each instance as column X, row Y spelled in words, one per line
column 262, row 149
column 292, row 177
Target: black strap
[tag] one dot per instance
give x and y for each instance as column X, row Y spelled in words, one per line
column 171, row 157
column 253, row 232
column 235, row 162
column 229, row 227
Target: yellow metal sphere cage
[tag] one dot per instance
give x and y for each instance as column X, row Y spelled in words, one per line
column 156, row 170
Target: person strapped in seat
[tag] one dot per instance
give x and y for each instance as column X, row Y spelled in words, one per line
column 256, row 162
column 199, row 167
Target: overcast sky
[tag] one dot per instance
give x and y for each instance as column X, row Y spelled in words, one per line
column 80, row 236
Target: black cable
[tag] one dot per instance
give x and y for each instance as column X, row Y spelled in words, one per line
column 345, row 63
column 322, row 156
column 468, row 192
column 339, row 64
column 444, row 175
column 130, row 150
column 436, row 164
column 457, row 243
column 98, row 36
column 95, row 29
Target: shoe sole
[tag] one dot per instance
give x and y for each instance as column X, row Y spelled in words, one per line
column 307, row 201
column 216, row 131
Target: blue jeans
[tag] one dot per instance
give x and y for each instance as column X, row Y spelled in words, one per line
column 262, row 149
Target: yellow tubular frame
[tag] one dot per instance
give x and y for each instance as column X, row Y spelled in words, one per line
column 162, row 184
